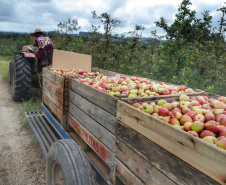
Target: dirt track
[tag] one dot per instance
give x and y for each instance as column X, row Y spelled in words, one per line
column 21, row 163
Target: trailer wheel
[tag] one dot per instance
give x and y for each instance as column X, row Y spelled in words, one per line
column 10, row 72
column 21, row 78
column 67, row 164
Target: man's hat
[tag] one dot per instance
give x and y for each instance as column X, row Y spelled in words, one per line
column 38, row 31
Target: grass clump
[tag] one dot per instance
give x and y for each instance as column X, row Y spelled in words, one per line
column 4, row 70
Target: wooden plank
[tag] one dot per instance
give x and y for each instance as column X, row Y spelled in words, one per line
column 170, row 165
column 106, row 137
column 54, row 88
column 139, row 167
column 168, row 98
column 53, row 107
column 97, row 146
column 103, row 117
column 125, row 175
column 56, row 79
column 209, row 159
column 55, row 99
column 104, row 100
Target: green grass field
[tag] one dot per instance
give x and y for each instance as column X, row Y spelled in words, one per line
column 6, row 58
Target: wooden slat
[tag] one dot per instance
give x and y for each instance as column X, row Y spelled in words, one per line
column 98, row 147
column 54, row 88
column 103, row 117
column 107, row 102
column 168, row 98
column 139, row 167
column 53, row 107
column 55, row 99
column 56, row 79
column 170, row 165
column 101, row 133
column 202, row 155
column 125, row 175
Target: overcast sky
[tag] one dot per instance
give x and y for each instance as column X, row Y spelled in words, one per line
column 27, row 15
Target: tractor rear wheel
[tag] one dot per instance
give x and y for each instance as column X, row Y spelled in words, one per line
column 10, row 72
column 21, row 78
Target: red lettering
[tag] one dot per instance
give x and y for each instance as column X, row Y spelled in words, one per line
column 103, row 153
column 97, row 147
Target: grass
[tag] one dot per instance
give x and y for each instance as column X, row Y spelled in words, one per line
column 4, row 70
column 6, row 58
column 34, row 104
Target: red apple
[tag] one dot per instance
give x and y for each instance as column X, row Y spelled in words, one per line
column 199, row 117
column 205, row 133
column 174, row 121
column 177, row 109
column 219, row 116
column 166, row 119
column 191, row 114
column 209, row 117
column 184, row 110
column 184, row 119
column 163, row 112
column 176, row 114
column 222, row 143
column 222, row 132
column 168, row 106
column 181, row 88
column 219, row 105
column 194, row 103
column 222, row 99
column 212, row 126
column 187, row 126
column 223, row 121
column 165, row 92
column 218, row 111
column 193, row 133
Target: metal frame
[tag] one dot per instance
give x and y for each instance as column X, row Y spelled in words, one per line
column 47, row 130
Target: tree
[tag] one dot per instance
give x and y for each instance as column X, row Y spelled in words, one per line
column 186, row 26
column 68, row 27
column 61, row 38
column 109, row 25
column 185, row 29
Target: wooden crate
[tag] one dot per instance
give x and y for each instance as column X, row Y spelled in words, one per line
column 159, row 151
column 55, row 94
column 92, row 115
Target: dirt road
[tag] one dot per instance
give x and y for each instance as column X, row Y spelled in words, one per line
column 21, row 162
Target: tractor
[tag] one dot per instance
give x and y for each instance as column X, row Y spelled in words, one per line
column 25, row 71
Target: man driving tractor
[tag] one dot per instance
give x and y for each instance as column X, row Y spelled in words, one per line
column 42, row 48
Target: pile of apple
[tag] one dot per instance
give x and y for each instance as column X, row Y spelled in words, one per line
column 133, row 87
column 200, row 116
column 74, row 73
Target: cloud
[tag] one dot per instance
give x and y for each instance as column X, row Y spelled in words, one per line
column 26, row 15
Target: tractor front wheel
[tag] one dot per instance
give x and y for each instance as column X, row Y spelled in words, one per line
column 21, row 78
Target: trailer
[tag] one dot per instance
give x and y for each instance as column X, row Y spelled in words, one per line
column 90, row 137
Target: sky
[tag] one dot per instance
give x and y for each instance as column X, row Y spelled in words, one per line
column 27, row 15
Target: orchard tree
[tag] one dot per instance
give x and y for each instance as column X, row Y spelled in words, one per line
column 61, row 38
column 109, row 24
column 186, row 26
column 185, row 29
